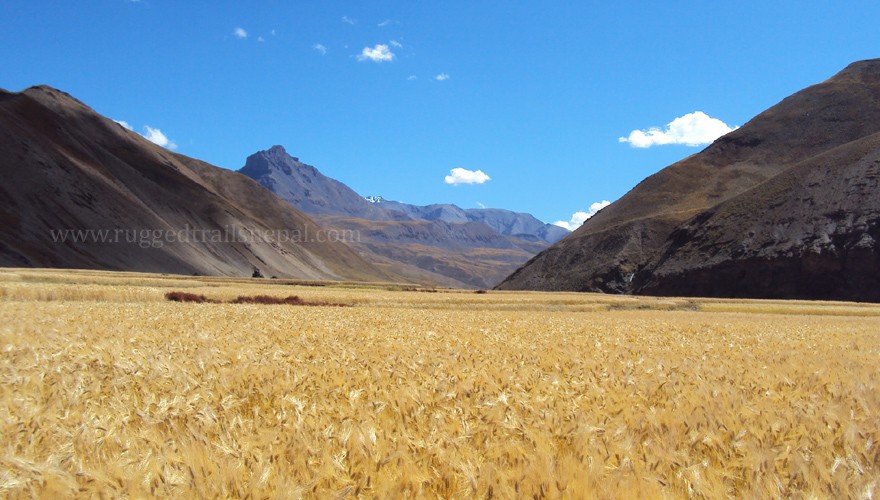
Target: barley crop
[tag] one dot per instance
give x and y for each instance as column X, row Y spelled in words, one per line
column 447, row 395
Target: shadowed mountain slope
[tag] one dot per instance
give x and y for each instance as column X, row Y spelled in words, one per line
column 66, row 169
column 749, row 216
column 811, row 232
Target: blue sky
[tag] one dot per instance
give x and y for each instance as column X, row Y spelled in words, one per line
column 533, row 95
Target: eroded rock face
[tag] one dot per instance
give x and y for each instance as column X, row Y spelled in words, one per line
column 784, row 207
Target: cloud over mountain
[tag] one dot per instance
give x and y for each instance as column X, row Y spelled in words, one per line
column 578, row 218
column 153, row 135
column 156, row 136
column 692, row 129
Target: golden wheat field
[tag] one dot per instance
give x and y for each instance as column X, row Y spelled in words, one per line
column 107, row 389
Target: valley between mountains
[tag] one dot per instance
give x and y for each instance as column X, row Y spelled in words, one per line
column 785, row 207
column 441, row 244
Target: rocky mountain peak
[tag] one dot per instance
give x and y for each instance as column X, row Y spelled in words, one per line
column 274, row 159
column 278, row 152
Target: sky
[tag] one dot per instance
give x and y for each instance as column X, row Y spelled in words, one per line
column 552, row 108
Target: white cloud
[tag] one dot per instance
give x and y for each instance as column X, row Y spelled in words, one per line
column 412, row 77
column 480, row 205
column 395, row 43
column 320, row 48
column 348, row 20
column 261, row 39
column 156, row 136
column 692, row 129
column 387, row 22
column 464, row 176
column 272, row 32
column 153, row 135
column 239, row 33
column 442, row 77
column 579, row 218
column 379, row 53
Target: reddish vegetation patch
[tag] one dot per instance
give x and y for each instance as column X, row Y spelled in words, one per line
column 292, row 300
column 188, row 297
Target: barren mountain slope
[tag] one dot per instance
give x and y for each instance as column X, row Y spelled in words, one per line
column 65, row 167
column 610, row 248
column 811, row 232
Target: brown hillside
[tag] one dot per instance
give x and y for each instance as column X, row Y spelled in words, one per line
column 811, row 232
column 609, row 250
column 65, row 167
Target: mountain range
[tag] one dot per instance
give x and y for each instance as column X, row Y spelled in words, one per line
column 786, row 206
column 506, row 222
column 441, row 243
